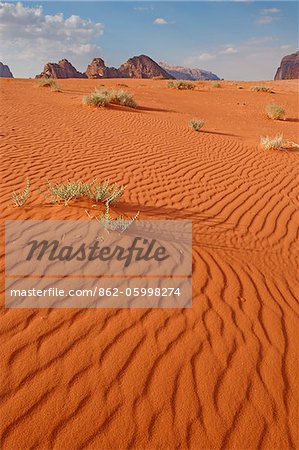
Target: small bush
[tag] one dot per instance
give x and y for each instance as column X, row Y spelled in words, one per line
column 122, row 85
column 196, row 124
column 119, row 224
column 103, row 97
column 97, row 98
column 20, row 198
column 48, row 82
column 216, row 85
column 159, row 77
column 274, row 143
column 103, row 192
column 181, row 85
column 72, row 189
column 123, row 98
column 275, row 112
column 261, row 89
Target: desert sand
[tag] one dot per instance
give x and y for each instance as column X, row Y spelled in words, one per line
column 221, row 375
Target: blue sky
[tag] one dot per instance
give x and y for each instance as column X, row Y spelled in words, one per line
column 236, row 40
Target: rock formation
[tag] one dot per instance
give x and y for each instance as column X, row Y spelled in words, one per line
column 4, row 71
column 64, row 69
column 184, row 73
column 289, row 67
column 142, row 67
column 98, row 69
column 137, row 67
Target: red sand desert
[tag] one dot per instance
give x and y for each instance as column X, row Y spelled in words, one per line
column 221, row 375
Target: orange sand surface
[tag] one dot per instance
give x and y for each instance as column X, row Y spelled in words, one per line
column 221, row 375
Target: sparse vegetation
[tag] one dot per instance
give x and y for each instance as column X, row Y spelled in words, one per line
column 196, row 124
column 275, row 112
column 20, row 198
column 104, row 97
column 181, row 85
column 97, row 98
column 274, row 143
column 123, row 98
column 73, row 189
column 159, row 77
column 216, row 85
column 118, row 224
column 261, row 89
column 49, row 83
column 103, row 192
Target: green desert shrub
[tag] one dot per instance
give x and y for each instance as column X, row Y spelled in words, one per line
column 48, row 82
column 181, row 85
column 196, row 124
column 20, row 198
column 159, row 77
column 123, row 98
column 64, row 192
column 104, row 97
column 103, row 192
column 261, row 88
column 275, row 112
column 274, row 143
column 216, row 85
column 119, row 224
column 97, row 98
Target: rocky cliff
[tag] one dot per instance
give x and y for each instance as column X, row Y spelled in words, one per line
column 4, row 71
column 137, row 67
column 184, row 73
column 98, row 69
column 64, row 69
column 289, row 67
column 143, row 67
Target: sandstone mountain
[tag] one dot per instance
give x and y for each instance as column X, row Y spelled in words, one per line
column 184, row 73
column 289, row 67
column 137, row 67
column 4, row 71
column 98, row 69
column 64, row 69
column 143, row 67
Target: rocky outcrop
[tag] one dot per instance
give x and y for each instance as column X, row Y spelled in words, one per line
column 289, row 67
column 4, row 71
column 137, row 67
column 143, row 67
column 184, row 73
column 98, row 69
column 64, row 69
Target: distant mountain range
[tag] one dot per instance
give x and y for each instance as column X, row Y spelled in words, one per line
column 184, row 73
column 144, row 67
column 137, row 67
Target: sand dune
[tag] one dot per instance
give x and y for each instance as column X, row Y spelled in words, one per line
column 221, row 375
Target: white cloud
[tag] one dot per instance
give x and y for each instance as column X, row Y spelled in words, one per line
column 229, row 50
column 270, row 11
column 268, row 15
column 285, row 47
column 160, row 21
column 266, row 19
column 27, row 34
column 206, row 57
column 143, row 8
column 258, row 40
